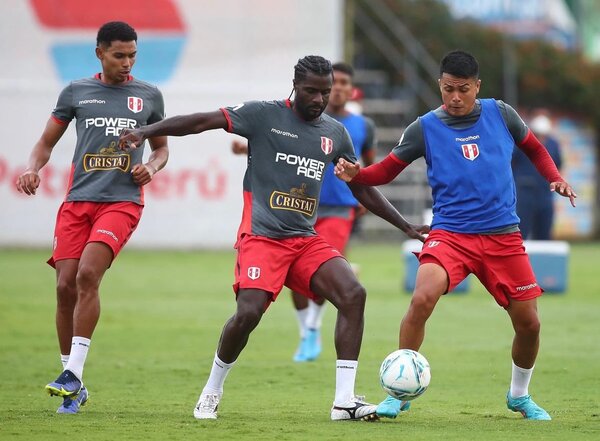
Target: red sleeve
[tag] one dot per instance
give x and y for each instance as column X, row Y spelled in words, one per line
column 59, row 121
column 228, row 118
column 539, row 156
column 382, row 172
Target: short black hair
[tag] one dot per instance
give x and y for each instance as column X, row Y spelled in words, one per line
column 343, row 67
column 312, row 63
column 113, row 31
column 460, row 64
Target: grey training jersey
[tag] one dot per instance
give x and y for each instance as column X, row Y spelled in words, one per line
column 100, row 172
column 286, row 162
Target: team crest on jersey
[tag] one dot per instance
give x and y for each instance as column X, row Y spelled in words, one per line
column 470, row 151
column 253, row 272
column 135, row 104
column 326, row 145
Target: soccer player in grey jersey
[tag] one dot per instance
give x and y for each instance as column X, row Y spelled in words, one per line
column 289, row 143
column 104, row 199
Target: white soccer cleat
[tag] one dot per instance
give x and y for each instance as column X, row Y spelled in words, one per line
column 353, row 410
column 206, row 407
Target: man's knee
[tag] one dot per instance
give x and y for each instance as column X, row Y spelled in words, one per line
column 528, row 327
column 88, row 278
column 66, row 292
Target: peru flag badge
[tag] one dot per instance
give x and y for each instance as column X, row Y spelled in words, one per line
column 470, row 151
column 135, row 104
column 326, row 145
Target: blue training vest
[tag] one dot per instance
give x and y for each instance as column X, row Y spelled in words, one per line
column 334, row 191
column 469, row 172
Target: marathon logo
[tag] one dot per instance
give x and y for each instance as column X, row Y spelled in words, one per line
column 113, row 126
column 296, row 200
column 526, row 287
column 309, row 167
column 94, row 162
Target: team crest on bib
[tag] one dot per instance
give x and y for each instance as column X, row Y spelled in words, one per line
column 470, row 151
column 135, row 104
column 326, row 145
column 254, row 272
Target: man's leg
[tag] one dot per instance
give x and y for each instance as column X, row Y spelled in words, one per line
column 335, row 281
column 94, row 262
column 526, row 324
column 251, row 304
column 431, row 284
column 66, row 298
column 310, row 316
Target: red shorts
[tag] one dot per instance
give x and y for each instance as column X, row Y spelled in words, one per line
column 269, row 264
column 498, row 260
column 79, row 223
column 336, row 230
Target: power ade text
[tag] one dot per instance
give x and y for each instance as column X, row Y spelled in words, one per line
column 311, row 168
column 113, row 126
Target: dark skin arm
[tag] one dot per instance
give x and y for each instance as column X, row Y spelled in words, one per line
column 377, row 204
column 181, row 125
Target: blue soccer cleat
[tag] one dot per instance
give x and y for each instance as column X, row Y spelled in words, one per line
column 72, row 405
column 527, row 407
column 310, row 346
column 66, row 385
column 391, row 407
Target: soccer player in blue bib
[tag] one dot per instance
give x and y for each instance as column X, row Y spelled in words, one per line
column 289, row 145
column 467, row 144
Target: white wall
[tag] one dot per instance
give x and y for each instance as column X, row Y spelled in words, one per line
column 234, row 50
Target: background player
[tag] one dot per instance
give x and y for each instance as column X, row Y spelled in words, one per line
column 105, row 197
column 290, row 142
column 338, row 208
column 468, row 144
column 535, row 204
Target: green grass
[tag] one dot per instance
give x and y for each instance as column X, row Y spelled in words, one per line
column 162, row 313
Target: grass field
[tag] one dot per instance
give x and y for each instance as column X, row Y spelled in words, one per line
column 162, row 313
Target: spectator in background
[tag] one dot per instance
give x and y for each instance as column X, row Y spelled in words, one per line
column 535, row 205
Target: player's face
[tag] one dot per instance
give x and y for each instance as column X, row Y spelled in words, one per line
column 341, row 90
column 312, row 95
column 459, row 94
column 117, row 60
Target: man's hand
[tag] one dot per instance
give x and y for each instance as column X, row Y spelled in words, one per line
column 131, row 139
column 239, row 148
column 345, row 170
column 415, row 231
column 28, row 182
column 142, row 173
column 564, row 189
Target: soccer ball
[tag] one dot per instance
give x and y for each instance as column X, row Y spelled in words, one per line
column 405, row 374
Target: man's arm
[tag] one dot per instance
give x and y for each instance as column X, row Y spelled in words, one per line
column 180, row 125
column 143, row 173
column 544, row 164
column 380, row 173
column 29, row 180
column 376, row 203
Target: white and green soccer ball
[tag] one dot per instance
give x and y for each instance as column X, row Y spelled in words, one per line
column 405, row 374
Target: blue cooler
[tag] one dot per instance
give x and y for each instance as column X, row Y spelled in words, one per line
column 549, row 259
column 411, row 264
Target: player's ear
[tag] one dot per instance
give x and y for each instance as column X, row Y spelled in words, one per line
column 99, row 52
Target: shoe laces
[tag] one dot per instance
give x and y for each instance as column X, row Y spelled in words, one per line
column 209, row 402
